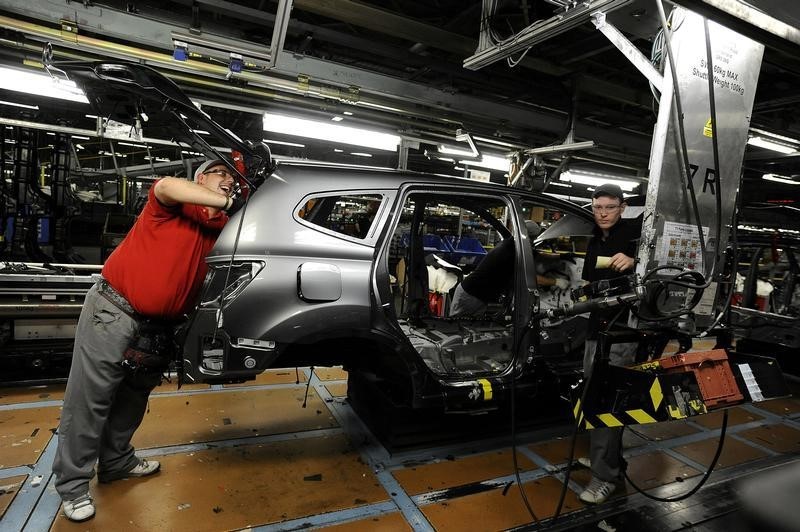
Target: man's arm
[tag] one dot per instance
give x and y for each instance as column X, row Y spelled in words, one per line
column 173, row 190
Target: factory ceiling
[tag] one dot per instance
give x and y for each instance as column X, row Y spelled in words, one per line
column 398, row 65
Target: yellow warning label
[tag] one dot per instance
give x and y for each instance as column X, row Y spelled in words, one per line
column 487, row 389
column 707, row 130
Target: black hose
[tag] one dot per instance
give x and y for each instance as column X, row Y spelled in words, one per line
column 514, row 437
column 714, row 145
column 702, row 480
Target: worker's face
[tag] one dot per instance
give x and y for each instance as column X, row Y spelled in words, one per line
column 607, row 211
column 217, row 178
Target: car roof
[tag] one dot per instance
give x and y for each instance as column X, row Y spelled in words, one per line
column 352, row 176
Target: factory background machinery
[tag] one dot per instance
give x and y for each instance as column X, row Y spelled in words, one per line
column 549, row 97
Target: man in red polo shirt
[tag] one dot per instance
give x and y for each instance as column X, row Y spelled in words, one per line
column 151, row 278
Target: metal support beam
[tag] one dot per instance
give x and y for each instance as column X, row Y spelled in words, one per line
column 562, row 147
column 757, row 19
column 627, row 48
column 279, row 30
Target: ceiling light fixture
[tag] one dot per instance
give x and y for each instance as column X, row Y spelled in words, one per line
column 492, row 162
column 780, row 179
column 326, row 131
column 40, row 84
column 23, row 105
column 595, row 179
column 767, row 144
column 296, row 144
column 337, row 118
column 447, row 150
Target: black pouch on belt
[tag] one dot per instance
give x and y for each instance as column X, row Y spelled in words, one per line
column 152, row 348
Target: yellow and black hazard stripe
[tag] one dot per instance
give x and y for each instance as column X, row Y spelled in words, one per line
column 651, row 412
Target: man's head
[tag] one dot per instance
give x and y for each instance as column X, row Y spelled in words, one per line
column 607, row 205
column 215, row 175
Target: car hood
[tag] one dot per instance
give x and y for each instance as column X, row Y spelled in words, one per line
column 152, row 106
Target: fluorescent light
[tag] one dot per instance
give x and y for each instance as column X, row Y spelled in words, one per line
column 15, row 104
column 201, row 131
column 91, row 116
column 337, row 150
column 770, row 145
column 773, row 136
column 780, row 179
column 40, row 85
column 556, row 183
column 331, row 132
column 81, row 137
column 123, row 143
column 285, row 143
column 348, row 113
column 337, row 118
column 455, row 151
column 493, row 162
column 360, row 154
column 596, row 179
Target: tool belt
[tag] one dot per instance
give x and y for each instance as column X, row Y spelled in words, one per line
column 152, row 347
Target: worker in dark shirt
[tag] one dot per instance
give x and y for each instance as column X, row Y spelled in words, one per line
column 493, row 277
column 611, row 253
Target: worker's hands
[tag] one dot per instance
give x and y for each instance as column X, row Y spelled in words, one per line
column 621, row 262
column 236, row 202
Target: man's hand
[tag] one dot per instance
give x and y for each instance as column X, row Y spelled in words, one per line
column 621, row 262
column 236, row 203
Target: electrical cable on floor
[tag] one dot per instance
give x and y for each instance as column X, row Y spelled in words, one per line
column 528, row 506
column 308, row 385
column 702, row 480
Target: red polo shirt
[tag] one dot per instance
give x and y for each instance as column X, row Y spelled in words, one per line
column 160, row 265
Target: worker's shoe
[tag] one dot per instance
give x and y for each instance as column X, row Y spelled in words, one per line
column 142, row 469
column 585, row 461
column 597, row 491
column 80, row 508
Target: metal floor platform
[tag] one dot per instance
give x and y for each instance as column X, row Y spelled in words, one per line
column 251, row 457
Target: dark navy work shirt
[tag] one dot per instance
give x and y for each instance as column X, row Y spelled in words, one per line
column 623, row 237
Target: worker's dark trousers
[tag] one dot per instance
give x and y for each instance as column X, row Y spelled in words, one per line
column 605, row 445
column 103, row 404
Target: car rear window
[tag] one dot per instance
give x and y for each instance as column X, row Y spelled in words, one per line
column 348, row 214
